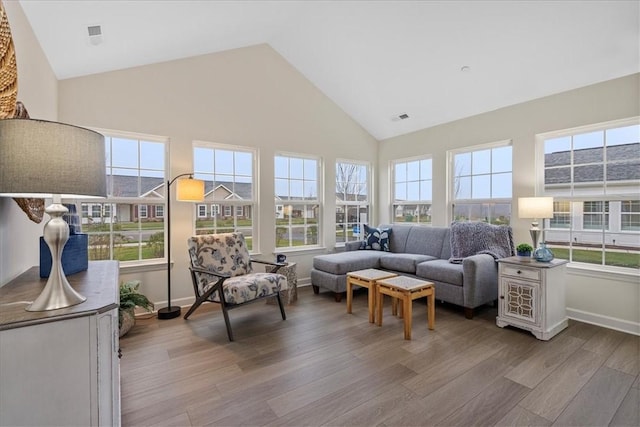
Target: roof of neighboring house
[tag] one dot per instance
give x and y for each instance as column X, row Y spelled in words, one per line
column 623, row 164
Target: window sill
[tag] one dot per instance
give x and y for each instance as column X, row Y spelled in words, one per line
column 142, row 266
column 301, row 250
column 604, row 272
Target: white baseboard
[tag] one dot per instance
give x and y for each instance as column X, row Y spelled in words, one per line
column 604, row 321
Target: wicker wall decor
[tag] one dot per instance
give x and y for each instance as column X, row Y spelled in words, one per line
column 9, row 107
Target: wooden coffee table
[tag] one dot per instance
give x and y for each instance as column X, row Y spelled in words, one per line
column 367, row 279
column 406, row 289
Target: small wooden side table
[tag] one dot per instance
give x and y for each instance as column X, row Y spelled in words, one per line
column 366, row 278
column 406, row 289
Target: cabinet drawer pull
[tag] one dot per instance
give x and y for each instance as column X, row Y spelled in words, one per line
column 501, row 296
column 519, row 272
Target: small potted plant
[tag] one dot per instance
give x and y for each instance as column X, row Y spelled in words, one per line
column 130, row 298
column 524, row 251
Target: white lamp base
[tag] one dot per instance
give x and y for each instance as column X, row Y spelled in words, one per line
column 57, row 293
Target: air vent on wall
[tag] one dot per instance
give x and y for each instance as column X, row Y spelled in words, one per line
column 403, row 116
column 95, row 34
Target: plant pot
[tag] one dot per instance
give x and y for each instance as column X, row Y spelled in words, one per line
column 524, row 256
column 128, row 320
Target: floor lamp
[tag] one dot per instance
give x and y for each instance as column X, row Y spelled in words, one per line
column 535, row 208
column 42, row 159
column 187, row 190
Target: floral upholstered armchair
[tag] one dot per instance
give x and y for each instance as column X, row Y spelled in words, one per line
column 222, row 273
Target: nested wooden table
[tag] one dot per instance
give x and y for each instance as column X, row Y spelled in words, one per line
column 406, row 289
column 366, row 278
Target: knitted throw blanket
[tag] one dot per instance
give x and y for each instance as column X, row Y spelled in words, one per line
column 472, row 238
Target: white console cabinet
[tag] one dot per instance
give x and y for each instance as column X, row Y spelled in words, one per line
column 61, row 367
column 532, row 296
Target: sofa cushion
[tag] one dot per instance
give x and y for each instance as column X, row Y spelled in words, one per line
column 426, row 240
column 405, row 263
column 344, row 262
column 440, row 270
column 376, row 239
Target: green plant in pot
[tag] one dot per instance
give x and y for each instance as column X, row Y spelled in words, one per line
column 130, row 298
column 524, row 250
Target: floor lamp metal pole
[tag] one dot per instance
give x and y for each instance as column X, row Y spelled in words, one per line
column 169, row 312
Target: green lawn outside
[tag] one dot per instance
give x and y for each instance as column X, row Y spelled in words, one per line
column 619, row 259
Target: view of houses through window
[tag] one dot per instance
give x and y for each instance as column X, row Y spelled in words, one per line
column 482, row 181
column 129, row 225
column 412, row 190
column 230, row 202
column 352, row 200
column 593, row 173
column 297, row 189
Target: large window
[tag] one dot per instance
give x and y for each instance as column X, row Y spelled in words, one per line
column 593, row 173
column 229, row 174
column 297, row 190
column 412, row 190
column 129, row 224
column 352, row 199
column 481, row 183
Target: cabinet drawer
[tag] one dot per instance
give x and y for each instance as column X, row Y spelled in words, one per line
column 521, row 272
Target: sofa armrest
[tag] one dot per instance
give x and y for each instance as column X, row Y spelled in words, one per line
column 480, row 280
column 352, row 246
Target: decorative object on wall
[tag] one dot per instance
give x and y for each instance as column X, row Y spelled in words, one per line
column 535, row 208
column 8, row 68
column 9, row 108
column 49, row 159
column 187, row 190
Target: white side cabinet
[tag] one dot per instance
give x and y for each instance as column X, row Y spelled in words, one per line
column 532, row 296
column 61, row 367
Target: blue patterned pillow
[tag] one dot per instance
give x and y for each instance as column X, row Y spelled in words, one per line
column 376, row 239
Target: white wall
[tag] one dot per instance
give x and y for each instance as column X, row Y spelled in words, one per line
column 38, row 91
column 612, row 301
column 248, row 97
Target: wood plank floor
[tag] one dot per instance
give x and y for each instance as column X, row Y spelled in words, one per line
column 325, row 367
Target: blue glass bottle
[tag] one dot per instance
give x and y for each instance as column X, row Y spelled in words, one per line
column 543, row 253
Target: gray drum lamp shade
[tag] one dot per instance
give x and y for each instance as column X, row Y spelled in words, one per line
column 40, row 158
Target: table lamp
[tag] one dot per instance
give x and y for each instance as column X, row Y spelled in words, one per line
column 535, row 208
column 42, row 159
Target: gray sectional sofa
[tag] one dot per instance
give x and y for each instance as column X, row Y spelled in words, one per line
column 421, row 252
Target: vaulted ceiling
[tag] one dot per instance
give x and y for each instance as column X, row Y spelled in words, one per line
column 435, row 61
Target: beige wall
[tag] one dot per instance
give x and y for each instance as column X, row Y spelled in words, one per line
column 37, row 89
column 248, row 97
column 613, row 301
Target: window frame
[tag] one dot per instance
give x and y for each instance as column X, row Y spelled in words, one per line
column 307, row 205
column 485, row 204
column 421, row 205
column 613, row 232
column 112, row 236
column 226, row 208
column 357, row 232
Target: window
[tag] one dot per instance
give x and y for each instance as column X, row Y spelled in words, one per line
column 202, row 211
column 297, row 191
column 630, row 215
column 228, row 172
column 352, row 200
column 593, row 173
column 412, row 190
column 481, row 183
column 127, row 225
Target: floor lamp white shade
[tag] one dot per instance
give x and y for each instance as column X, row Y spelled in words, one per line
column 535, row 208
column 42, row 159
column 187, row 190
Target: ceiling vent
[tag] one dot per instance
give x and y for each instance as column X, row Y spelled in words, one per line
column 95, row 34
column 403, row 116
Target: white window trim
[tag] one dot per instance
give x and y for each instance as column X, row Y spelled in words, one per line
column 578, row 268
column 319, row 200
column 365, row 204
column 392, row 186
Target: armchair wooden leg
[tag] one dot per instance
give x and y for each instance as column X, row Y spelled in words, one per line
column 468, row 312
column 199, row 301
